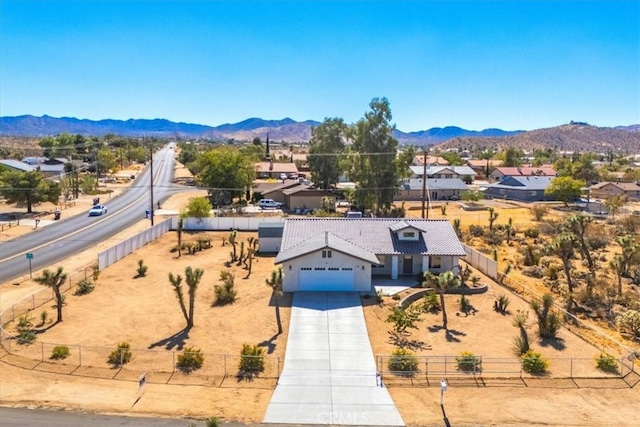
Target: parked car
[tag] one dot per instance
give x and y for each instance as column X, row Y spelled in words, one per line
column 283, row 176
column 269, row 204
column 98, row 210
column 293, row 175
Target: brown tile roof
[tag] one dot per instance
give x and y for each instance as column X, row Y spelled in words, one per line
column 264, row 167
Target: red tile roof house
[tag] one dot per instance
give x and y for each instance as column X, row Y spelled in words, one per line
column 500, row 173
column 343, row 254
column 607, row 190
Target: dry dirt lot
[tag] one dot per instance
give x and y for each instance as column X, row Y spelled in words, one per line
column 145, row 312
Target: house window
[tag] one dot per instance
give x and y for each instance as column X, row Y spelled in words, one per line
column 409, row 234
column 436, row 262
column 326, row 254
column 533, row 193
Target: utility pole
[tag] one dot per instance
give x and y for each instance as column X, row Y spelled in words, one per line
column 151, row 182
column 424, row 183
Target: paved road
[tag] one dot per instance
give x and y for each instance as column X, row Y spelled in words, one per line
column 68, row 236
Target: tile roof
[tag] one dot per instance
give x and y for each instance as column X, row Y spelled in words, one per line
column 375, row 235
column 322, row 241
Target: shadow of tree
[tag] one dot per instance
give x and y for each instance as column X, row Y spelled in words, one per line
column 176, row 340
column 403, row 341
column 450, row 334
column 556, row 343
column 270, row 345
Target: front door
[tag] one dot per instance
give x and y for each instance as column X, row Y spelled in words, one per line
column 407, row 265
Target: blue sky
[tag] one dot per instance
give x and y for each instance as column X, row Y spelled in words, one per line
column 473, row 64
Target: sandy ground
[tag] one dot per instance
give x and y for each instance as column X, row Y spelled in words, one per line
column 120, row 301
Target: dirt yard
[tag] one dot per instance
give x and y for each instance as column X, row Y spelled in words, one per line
column 144, row 311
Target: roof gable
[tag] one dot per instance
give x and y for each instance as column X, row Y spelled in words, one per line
column 326, row 240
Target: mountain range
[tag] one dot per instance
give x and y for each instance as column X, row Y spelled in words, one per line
column 575, row 136
column 287, row 130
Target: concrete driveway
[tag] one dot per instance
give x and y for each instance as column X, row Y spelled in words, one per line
column 329, row 374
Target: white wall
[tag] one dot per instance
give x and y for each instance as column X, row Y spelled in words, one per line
column 362, row 277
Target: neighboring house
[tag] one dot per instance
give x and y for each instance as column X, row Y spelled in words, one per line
column 439, row 189
column 481, row 166
column 52, row 167
column 431, row 161
column 273, row 190
column 17, row 165
column 271, row 169
column 521, row 188
column 607, row 190
column 303, row 197
column 444, row 172
column 342, row 254
column 500, row 173
column 270, row 237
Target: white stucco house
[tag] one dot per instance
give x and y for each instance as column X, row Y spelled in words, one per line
column 343, row 254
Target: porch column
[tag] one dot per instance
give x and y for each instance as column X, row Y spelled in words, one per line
column 425, row 263
column 394, row 267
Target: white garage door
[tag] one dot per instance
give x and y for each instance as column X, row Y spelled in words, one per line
column 326, row 279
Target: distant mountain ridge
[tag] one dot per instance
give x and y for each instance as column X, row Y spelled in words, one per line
column 287, row 129
column 574, row 136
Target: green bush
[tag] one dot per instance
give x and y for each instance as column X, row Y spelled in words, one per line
column 26, row 332
column 120, row 355
column 60, row 352
column 629, row 323
column 225, row 293
column 431, row 303
column 607, row 363
column 251, row 359
column 469, row 362
column 213, row 422
column 403, row 362
column 190, row 359
column 142, row 269
column 476, row 230
column 501, row 304
column 85, row 286
column 532, row 233
column 534, row 363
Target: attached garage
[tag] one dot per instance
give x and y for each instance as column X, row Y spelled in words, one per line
column 326, row 279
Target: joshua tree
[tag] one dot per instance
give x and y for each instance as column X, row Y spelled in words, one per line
column 443, row 282
column 578, row 225
column 179, row 231
column 193, row 278
column 509, row 230
column 251, row 252
column 232, row 240
column 617, row 266
column 54, row 281
column 275, row 283
column 493, row 215
column 563, row 246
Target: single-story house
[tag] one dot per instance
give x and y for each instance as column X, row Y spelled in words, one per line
column 521, row 188
column 500, row 173
column 431, row 161
column 273, row 190
column 17, row 165
column 606, row 190
column 444, row 172
column 271, row 169
column 480, row 166
column 303, row 197
column 342, row 254
column 439, row 189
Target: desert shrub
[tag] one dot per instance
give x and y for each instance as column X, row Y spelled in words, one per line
column 549, row 228
column 213, row 422
column 476, row 230
column 493, row 238
column 60, row 352
column 532, row 233
column 120, row 355
column 521, row 343
column 142, row 269
column 26, row 332
column 607, row 363
column 190, row 359
column 501, row 304
column 380, row 296
column 531, row 255
column 85, row 286
column 539, row 211
column 534, row 363
column 553, row 271
column 597, row 241
column 395, row 297
column 548, row 322
column 629, row 323
column 404, row 362
column 464, row 304
column 225, row 293
column 44, row 315
column 469, row 362
column 431, row 303
column 251, row 359
column 535, row 272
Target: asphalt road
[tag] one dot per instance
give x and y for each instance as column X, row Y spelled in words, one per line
column 52, row 244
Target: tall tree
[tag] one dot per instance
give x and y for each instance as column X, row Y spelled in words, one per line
column 55, row 282
column 275, row 283
column 564, row 189
column 29, row 188
column 226, row 173
column 443, row 282
column 325, row 147
column 579, row 225
column 198, row 207
column 513, row 157
column 192, row 278
column 563, row 247
column 373, row 165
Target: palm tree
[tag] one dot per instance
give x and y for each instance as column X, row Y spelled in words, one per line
column 275, row 283
column 54, row 281
column 446, row 280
